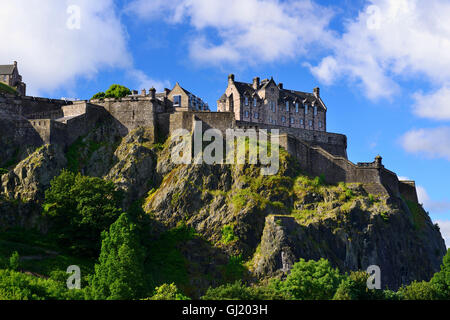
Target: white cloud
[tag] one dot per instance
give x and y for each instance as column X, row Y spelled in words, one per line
column 432, row 143
column 435, row 105
column 250, row 31
column 51, row 55
column 444, row 225
column 143, row 81
column 390, row 41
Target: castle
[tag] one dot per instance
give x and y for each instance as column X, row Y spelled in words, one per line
column 300, row 118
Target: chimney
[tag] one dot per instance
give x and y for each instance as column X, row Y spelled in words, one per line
column 167, row 91
column 280, row 85
column 256, row 83
column 152, row 93
column 231, row 78
column 143, row 92
column 317, row 92
column 134, row 92
column 15, row 63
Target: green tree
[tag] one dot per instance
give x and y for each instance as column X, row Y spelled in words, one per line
column 114, row 91
column 117, row 91
column 239, row 291
column 418, row 291
column 441, row 279
column 14, row 261
column 168, row 292
column 80, row 208
column 119, row 275
column 312, row 280
column 354, row 287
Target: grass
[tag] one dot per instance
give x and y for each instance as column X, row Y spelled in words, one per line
column 38, row 253
column 418, row 214
column 228, row 235
column 4, row 88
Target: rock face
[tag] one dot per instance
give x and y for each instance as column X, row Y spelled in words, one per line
column 269, row 221
column 134, row 171
column 277, row 220
column 32, row 176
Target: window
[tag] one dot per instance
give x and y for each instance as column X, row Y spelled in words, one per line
column 320, row 124
column 315, row 110
column 254, row 102
column 256, row 115
column 292, row 121
column 296, row 107
column 287, row 106
column 246, row 114
column 246, row 101
column 306, row 109
column 176, row 100
column 270, row 120
column 301, row 121
column 283, row 119
column 310, row 123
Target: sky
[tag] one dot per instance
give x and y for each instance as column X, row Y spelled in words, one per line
column 382, row 65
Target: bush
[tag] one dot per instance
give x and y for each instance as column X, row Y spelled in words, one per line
column 19, row 286
column 168, row 292
column 418, row 291
column 14, row 261
column 354, row 287
column 312, row 280
column 441, row 279
column 114, row 91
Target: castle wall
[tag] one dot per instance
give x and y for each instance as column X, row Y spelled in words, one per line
column 408, row 190
column 131, row 112
column 333, row 143
column 33, row 107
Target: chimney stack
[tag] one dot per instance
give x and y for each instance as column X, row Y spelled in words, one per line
column 143, row 92
column 280, row 85
column 231, row 78
column 167, row 91
column 256, row 83
column 317, row 92
column 15, row 63
column 152, row 93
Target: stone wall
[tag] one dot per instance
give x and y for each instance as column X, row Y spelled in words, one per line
column 408, row 190
column 334, row 143
column 131, row 112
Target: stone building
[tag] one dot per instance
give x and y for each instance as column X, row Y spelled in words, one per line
column 265, row 102
column 9, row 75
column 183, row 100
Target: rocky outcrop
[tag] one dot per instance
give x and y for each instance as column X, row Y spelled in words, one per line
column 134, row 171
column 276, row 220
column 29, row 179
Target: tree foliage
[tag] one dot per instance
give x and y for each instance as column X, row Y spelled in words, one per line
column 114, row 91
column 354, row 287
column 312, row 280
column 119, row 275
column 80, row 208
column 168, row 292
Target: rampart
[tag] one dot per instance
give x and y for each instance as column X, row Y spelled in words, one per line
column 334, row 143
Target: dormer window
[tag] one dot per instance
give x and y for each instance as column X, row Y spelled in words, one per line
column 315, row 110
column 246, row 100
column 296, row 107
column 287, row 106
column 306, row 109
column 254, row 102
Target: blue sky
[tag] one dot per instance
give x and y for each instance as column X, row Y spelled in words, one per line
column 382, row 65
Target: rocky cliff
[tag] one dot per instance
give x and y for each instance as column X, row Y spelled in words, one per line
column 270, row 222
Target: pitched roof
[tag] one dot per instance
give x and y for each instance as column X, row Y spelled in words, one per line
column 7, row 69
column 247, row 88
